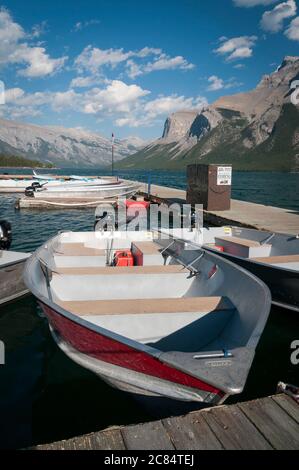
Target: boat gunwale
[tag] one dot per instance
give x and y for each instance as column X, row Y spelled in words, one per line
column 13, row 263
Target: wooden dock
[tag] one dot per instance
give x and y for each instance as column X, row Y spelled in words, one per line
column 245, row 214
column 59, row 203
column 242, row 213
column 266, row 424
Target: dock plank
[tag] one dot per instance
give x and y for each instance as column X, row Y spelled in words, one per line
column 110, row 439
column 191, row 432
column 234, row 430
column 148, row 436
column 273, row 422
column 266, row 423
column 289, row 405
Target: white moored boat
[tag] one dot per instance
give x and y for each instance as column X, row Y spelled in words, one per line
column 11, row 268
column 91, row 189
column 19, row 185
column 152, row 316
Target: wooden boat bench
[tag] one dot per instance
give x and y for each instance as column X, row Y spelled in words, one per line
column 78, row 249
column 243, row 247
column 147, row 306
column 111, row 270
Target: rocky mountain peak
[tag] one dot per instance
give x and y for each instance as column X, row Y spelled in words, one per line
column 62, row 146
column 285, row 73
column 177, row 125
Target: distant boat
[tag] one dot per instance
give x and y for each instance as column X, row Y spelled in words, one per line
column 11, row 268
column 101, row 189
column 152, row 316
column 17, row 185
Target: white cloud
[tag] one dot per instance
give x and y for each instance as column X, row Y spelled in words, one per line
column 84, row 24
column 116, row 97
column 146, row 51
column 237, row 48
column 166, row 105
column 39, row 62
column 253, row 3
column 133, row 69
column 13, row 94
column 14, row 50
column 10, row 34
column 272, row 20
column 39, row 29
column 92, row 60
column 293, row 30
column 165, row 62
column 216, row 83
column 84, row 82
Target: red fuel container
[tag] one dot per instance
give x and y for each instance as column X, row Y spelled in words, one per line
column 219, row 248
column 123, row 258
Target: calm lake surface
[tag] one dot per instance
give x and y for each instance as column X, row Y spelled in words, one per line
column 46, row 397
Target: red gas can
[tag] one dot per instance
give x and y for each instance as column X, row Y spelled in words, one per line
column 123, row 258
column 219, row 248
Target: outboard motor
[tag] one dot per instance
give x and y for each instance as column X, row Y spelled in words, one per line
column 5, row 235
column 29, row 191
column 36, row 185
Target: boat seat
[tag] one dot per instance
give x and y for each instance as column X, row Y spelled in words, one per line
column 147, row 306
column 78, row 249
column 146, row 248
column 243, row 247
column 109, row 270
column 240, row 241
column 278, row 259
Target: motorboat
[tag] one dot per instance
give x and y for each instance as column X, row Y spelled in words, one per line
column 9, row 184
column 150, row 314
column 11, row 267
column 273, row 257
column 82, row 189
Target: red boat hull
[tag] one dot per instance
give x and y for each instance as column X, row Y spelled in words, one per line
column 108, row 350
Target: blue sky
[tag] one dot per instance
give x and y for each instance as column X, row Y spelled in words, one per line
column 123, row 66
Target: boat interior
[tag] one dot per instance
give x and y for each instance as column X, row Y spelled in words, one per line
column 262, row 247
column 174, row 297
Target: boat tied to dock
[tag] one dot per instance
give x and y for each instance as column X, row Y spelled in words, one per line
column 178, row 322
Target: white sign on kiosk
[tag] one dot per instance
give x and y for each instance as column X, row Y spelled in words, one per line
column 224, row 176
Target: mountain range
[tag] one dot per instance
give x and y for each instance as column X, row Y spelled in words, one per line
column 256, row 130
column 61, row 146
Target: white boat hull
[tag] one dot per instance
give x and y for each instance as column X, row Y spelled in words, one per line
column 100, row 192
column 11, row 277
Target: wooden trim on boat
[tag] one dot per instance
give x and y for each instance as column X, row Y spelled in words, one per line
column 147, row 306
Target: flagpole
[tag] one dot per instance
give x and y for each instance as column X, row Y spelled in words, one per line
column 112, row 155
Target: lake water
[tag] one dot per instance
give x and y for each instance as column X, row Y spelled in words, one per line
column 45, row 397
